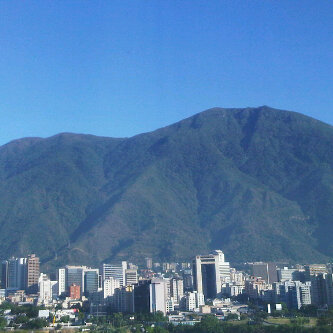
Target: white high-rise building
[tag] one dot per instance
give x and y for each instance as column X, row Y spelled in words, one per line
column 157, row 295
column 193, row 300
column 176, row 289
column 209, row 272
column 109, row 286
column 45, row 289
column 61, row 281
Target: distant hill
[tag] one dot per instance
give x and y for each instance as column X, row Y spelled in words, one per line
column 255, row 182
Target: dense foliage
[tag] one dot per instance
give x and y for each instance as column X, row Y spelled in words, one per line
column 242, row 180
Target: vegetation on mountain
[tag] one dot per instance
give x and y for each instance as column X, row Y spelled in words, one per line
column 255, row 182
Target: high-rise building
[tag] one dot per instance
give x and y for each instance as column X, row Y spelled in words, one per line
column 322, row 289
column 150, row 296
column 75, row 275
column 117, row 271
column 45, row 289
column 90, row 281
column 142, row 296
column 209, row 272
column 14, row 273
column 83, row 276
column 109, row 286
column 294, row 293
column 61, row 281
column 32, row 273
column 4, row 274
column 131, row 277
column 176, row 290
column 288, row 274
column 193, row 300
column 123, row 300
column 157, row 296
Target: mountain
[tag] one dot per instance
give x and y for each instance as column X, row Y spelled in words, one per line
column 255, row 182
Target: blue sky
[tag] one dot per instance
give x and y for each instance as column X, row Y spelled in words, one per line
column 119, row 68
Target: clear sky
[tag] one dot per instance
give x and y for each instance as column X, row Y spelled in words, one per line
column 119, row 68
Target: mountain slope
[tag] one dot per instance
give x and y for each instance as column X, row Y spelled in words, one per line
column 256, row 182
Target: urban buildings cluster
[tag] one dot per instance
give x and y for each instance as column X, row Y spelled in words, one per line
column 206, row 285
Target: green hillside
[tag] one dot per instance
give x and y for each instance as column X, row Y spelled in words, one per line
column 255, row 182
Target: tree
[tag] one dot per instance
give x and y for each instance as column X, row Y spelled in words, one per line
column 64, row 319
column 232, row 316
column 118, row 319
column 20, row 319
column 3, row 322
column 36, row 323
column 158, row 317
column 309, row 310
column 209, row 324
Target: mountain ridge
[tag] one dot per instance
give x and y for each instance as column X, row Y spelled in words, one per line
column 236, row 179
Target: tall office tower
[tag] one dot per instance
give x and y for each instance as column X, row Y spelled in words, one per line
column 61, row 281
column 75, row 275
column 4, row 274
column 150, row 296
column 90, row 281
column 142, row 296
column 176, row 289
column 157, row 295
column 32, row 274
column 14, row 273
column 209, row 272
column 109, row 286
column 149, row 263
column 329, row 289
column 117, row 271
column 131, row 277
column 322, row 289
